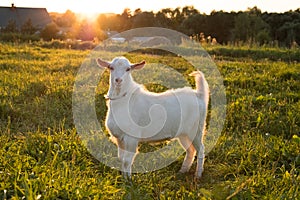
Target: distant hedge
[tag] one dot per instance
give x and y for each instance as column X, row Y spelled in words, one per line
column 258, row 53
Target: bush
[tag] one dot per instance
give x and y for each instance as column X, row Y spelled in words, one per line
column 74, row 44
column 18, row 37
column 49, row 32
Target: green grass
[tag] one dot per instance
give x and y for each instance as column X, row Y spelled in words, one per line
column 41, row 155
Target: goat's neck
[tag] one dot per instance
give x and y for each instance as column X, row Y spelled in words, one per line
column 115, row 92
column 130, row 87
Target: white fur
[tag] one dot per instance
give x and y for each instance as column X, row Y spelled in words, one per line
column 135, row 114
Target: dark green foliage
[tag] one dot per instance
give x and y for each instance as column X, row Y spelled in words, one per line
column 249, row 27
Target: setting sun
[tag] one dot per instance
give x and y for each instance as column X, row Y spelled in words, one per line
column 89, row 8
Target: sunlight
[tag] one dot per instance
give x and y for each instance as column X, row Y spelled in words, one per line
column 96, row 8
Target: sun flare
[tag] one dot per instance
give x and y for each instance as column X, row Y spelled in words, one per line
column 93, row 8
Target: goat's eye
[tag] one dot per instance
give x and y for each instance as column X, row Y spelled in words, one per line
column 128, row 69
column 110, row 68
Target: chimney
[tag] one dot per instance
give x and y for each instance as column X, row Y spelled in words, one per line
column 13, row 6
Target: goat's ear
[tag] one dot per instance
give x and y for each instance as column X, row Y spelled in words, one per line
column 102, row 63
column 138, row 65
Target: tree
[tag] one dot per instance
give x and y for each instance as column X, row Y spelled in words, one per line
column 194, row 24
column 188, row 11
column 219, row 25
column 125, row 19
column 68, row 19
column 11, row 27
column 291, row 31
column 249, row 25
column 242, row 27
column 28, row 28
column 263, row 37
column 103, row 22
column 137, row 11
column 143, row 19
column 114, row 22
column 49, row 32
column 163, row 21
column 255, row 11
column 86, row 31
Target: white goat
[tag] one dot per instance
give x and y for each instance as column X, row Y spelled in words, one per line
column 137, row 115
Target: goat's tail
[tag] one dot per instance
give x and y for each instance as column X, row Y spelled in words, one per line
column 201, row 86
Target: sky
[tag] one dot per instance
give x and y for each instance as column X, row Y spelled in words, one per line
column 117, row 6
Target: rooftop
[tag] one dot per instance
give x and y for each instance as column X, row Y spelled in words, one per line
column 39, row 16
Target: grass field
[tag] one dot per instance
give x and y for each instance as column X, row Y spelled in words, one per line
column 256, row 157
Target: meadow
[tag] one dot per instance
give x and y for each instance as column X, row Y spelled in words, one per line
column 257, row 155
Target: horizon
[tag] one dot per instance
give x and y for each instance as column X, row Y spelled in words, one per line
column 91, row 8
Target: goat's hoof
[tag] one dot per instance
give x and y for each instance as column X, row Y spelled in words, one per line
column 198, row 176
column 127, row 176
column 183, row 171
column 128, row 180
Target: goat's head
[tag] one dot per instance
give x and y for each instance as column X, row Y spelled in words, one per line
column 120, row 76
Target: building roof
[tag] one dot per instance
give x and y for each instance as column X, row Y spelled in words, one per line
column 39, row 16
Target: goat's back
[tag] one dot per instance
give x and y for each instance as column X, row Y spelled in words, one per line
column 181, row 109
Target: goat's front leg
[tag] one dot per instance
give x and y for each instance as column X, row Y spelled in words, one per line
column 127, row 152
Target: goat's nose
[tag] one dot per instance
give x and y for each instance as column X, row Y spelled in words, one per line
column 118, row 80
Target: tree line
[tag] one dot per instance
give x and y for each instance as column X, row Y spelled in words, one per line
column 250, row 26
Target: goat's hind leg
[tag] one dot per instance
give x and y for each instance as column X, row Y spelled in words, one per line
column 198, row 144
column 190, row 154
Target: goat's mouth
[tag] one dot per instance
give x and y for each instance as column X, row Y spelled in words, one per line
column 118, row 85
column 117, row 89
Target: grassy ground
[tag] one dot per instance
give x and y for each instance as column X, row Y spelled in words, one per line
column 41, row 156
